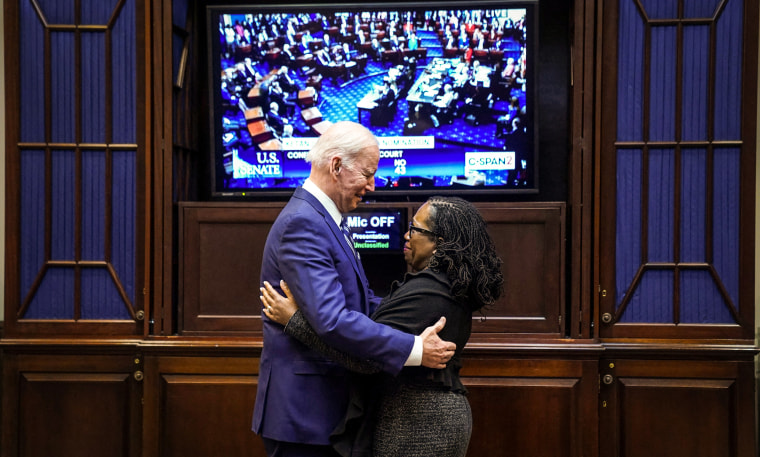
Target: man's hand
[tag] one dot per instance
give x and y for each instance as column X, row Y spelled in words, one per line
column 435, row 351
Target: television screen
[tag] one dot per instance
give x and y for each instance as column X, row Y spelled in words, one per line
column 377, row 230
column 445, row 87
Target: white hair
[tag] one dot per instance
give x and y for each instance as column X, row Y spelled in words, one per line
column 345, row 139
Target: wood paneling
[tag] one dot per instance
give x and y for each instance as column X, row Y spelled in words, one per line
column 201, row 406
column 71, row 405
column 220, row 259
column 677, row 407
column 530, row 239
column 571, row 399
column 222, row 243
column 536, row 407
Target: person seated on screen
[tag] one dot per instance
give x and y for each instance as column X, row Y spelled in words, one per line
column 286, row 56
column 288, row 83
column 477, row 106
column 339, row 54
column 385, row 109
column 409, row 72
column 479, row 39
column 361, row 37
column 450, row 42
column 461, row 69
column 246, row 75
column 444, row 106
column 305, row 40
column 464, row 38
column 283, row 100
column 413, row 43
column 418, row 121
column 509, row 75
column 324, row 59
column 325, row 21
column 479, row 71
column 376, row 50
column 280, row 125
column 351, row 60
column 388, row 93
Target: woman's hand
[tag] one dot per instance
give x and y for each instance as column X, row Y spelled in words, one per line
column 276, row 307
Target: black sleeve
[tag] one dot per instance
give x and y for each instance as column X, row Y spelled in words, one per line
column 299, row 328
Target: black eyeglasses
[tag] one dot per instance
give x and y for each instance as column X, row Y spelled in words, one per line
column 421, row 230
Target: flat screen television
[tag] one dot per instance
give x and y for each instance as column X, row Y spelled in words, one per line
column 444, row 86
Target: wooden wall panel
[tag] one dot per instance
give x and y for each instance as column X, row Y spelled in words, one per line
column 677, row 407
column 530, row 239
column 536, row 407
column 68, row 405
column 82, row 413
column 201, row 406
column 549, row 400
column 220, row 258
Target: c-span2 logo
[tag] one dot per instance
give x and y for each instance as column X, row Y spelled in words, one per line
column 497, row 160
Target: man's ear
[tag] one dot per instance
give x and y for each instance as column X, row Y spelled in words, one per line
column 335, row 165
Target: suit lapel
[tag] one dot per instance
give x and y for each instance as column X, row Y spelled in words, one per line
column 337, row 233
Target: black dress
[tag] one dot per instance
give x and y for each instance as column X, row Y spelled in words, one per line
column 421, row 412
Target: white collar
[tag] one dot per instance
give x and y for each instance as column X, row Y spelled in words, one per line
column 326, row 201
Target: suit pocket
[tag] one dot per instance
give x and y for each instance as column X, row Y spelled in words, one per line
column 317, row 367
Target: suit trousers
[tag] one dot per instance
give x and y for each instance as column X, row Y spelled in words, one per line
column 276, row 448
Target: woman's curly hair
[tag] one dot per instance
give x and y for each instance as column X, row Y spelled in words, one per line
column 465, row 252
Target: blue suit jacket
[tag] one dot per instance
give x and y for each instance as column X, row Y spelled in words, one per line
column 301, row 395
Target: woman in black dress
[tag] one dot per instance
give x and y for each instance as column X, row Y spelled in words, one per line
column 455, row 271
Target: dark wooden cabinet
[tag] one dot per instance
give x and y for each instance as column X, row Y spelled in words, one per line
column 195, row 397
column 532, row 405
column 665, row 407
column 201, row 405
column 220, row 256
column 68, row 402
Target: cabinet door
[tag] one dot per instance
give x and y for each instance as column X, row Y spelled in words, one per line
column 530, row 239
column 201, row 406
column 220, row 264
column 76, row 208
column 651, row 408
column 71, row 405
column 532, row 407
column 677, row 157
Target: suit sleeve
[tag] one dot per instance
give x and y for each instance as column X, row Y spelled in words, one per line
column 332, row 297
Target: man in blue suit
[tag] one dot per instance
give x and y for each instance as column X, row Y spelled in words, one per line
column 301, row 395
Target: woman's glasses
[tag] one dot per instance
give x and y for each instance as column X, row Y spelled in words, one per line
column 421, row 230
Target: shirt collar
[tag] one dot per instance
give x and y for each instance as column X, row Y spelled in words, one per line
column 326, row 201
